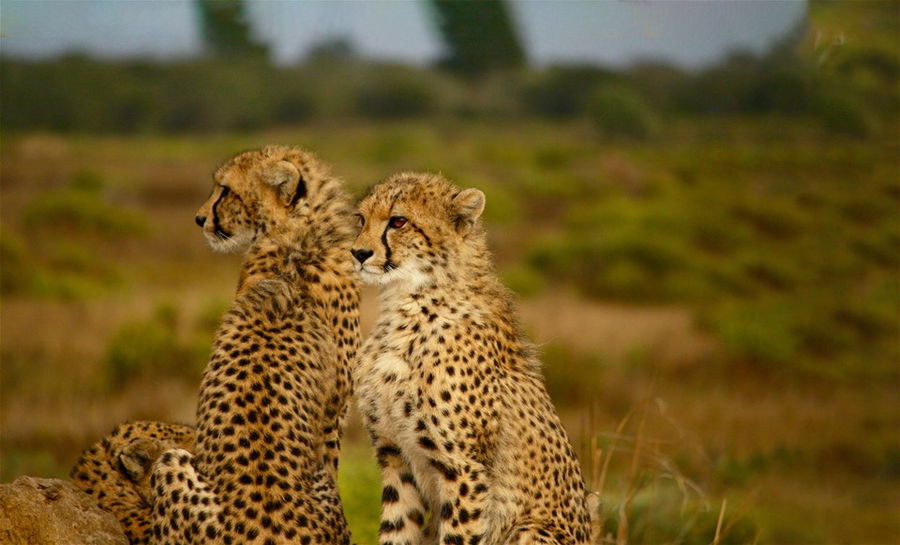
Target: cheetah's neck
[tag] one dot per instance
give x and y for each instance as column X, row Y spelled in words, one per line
column 305, row 248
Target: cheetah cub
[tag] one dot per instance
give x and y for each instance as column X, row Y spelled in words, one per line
column 449, row 388
column 115, row 471
column 278, row 380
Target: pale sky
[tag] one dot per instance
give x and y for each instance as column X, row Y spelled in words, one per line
column 609, row 32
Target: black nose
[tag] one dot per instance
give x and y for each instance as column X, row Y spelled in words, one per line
column 200, row 220
column 362, row 255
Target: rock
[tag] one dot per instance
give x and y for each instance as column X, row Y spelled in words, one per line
column 49, row 511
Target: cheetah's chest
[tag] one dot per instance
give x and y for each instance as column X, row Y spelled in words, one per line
column 388, row 392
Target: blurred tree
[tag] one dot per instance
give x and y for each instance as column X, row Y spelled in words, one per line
column 563, row 91
column 226, row 31
column 619, row 111
column 480, row 35
column 336, row 50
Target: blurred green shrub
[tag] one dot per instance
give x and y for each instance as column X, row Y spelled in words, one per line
column 523, row 280
column 62, row 269
column 233, row 94
column 146, row 348
column 397, row 93
column 881, row 63
column 562, row 91
column 88, row 181
column 784, row 86
column 843, row 114
column 82, row 206
column 620, row 112
column 71, row 209
column 759, row 332
column 295, row 104
column 40, row 262
column 16, row 271
column 505, row 207
column 165, row 344
column 210, row 316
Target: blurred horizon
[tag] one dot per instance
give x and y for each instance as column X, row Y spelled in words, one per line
column 687, row 35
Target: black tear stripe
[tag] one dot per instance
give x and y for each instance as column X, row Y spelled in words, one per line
column 387, row 248
column 300, row 192
column 388, row 266
column 217, row 227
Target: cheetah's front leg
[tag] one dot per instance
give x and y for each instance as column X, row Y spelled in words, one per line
column 402, row 510
column 462, row 490
column 185, row 509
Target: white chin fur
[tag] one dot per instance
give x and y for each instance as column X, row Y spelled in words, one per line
column 395, row 277
column 229, row 245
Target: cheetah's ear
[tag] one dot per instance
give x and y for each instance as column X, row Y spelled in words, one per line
column 136, row 460
column 467, row 207
column 284, row 176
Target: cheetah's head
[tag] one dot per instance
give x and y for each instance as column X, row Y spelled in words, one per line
column 117, row 468
column 416, row 228
column 254, row 191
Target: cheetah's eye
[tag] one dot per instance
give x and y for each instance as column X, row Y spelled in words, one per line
column 397, row 222
column 360, row 220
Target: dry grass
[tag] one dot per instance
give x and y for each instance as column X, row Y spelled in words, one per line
column 667, row 334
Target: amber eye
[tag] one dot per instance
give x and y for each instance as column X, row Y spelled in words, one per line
column 360, row 220
column 397, row 222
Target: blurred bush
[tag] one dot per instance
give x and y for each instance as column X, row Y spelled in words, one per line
column 17, row 269
column 55, row 253
column 165, row 344
column 63, row 269
column 523, row 280
column 146, row 348
column 83, row 205
column 75, row 209
column 562, row 91
column 396, row 93
column 620, row 111
column 843, row 113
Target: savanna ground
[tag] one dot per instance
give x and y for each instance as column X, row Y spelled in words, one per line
column 717, row 315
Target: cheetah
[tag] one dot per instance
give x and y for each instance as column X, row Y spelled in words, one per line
column 277, row 385
column 450, row 390
column 115, row 471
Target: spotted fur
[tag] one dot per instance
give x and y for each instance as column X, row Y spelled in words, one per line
column 116, row 471
column 277, row 384
column 450, row 389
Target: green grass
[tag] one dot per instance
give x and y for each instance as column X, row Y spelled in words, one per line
column 359, row 482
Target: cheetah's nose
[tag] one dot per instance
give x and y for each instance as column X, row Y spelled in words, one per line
column 362, row 255
column 200, row 220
